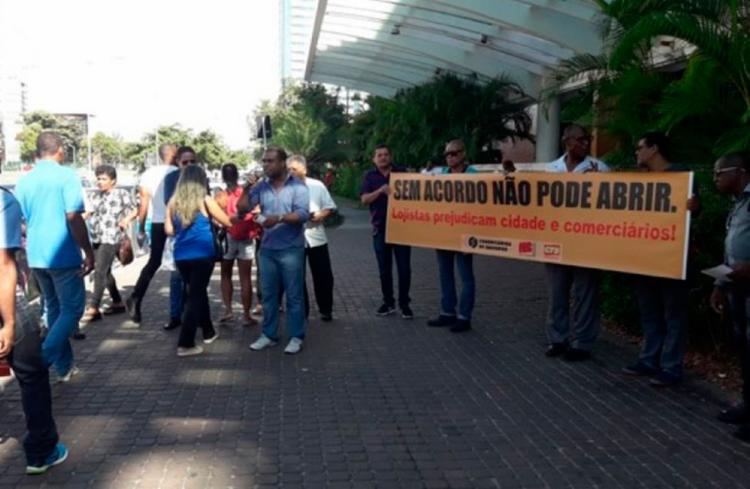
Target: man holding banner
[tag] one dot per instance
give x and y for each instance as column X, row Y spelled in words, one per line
column 662, row 302
column 374, row 193
column 562, row 279
column 455, row 157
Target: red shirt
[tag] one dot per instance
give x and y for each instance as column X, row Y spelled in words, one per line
column 245, row 229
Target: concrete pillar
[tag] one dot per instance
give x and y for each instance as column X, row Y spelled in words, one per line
column 548, row 130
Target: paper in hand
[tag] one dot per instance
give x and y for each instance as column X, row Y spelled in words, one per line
column 719, row 272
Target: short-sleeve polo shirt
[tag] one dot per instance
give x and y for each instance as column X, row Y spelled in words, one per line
column 46, row 194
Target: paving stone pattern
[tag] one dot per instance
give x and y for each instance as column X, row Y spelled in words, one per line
column 373, row 402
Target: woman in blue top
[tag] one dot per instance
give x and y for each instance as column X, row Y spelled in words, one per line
column 189, row 215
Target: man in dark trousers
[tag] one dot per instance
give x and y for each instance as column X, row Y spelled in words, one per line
column 374, row 193
column 21, row 345
column 730, row 295
column 151, row 189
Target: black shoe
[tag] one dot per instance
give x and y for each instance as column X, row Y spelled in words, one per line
column 665, row 379
column 639, row 370
column 738, row 414
column 556, row 349
column 442, row 321
column 79, row 336
column 743, row 433
column 326, row 317
column 461, row 326
column 407, row 313
column 576, row 355
column 173, row 323
column 133, row 306
column 385, row 310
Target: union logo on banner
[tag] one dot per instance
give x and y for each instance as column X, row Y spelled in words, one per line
column 526, row 248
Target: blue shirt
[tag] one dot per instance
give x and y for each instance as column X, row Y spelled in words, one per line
column 46, row 194
column 10, row 221
column 293, row 196
column 194, row 242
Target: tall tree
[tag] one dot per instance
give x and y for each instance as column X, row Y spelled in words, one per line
column 418, row 121
column 35, row 122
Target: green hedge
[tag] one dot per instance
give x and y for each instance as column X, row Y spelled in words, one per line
column 349, row 180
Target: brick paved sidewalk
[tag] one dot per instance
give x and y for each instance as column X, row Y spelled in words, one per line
column 373, row 402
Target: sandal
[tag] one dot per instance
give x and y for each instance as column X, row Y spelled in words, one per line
column 226, row 318
column 108, row 311
column 249, row 322
column 90, row 317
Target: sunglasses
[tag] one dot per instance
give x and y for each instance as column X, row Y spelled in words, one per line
column 581, row 139
column 453, row 153
column 724, row 170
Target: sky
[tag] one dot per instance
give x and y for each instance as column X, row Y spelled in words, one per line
column 137, row 64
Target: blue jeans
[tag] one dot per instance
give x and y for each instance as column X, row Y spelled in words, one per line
column 64, row 299
column 448, row 299
column 176, row 295
column 663, row 305
column 283, row 270
column 384, row 252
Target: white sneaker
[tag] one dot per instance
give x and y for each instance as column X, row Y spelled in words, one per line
column 294, row 346
column 262, row 342
column 6, row 381
column 210, row 340
column 189, row 352
column 62, row 379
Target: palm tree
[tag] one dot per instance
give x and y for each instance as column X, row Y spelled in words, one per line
column 716, row 78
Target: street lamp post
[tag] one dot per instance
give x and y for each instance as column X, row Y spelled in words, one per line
column 88, row 138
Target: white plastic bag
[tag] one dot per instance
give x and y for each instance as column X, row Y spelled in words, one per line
column 167, row 258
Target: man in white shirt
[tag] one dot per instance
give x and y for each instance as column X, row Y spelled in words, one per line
column 152, row 205
column 564, row 279
column 316, row 242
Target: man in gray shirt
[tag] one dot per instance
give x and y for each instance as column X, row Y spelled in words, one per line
column 732, row 176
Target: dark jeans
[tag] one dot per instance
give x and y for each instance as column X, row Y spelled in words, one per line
column 104, row 257
column 322, row 276
column 33, row 378
column 158, row 238
column 739, row 309
column 663, row 306
column 385, row 252
column 465, row 264
column 583, row 284
column 196, row 275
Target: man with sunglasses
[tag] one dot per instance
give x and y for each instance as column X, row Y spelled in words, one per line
column 455, row 158
column 662, row 302
column 730, row 297
column 563, row 280
column 151, row 189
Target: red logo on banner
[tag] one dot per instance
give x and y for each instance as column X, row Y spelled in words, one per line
column 526, row 248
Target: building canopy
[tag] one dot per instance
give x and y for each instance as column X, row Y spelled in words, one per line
column 381, row 46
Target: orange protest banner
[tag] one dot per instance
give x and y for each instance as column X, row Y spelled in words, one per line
column 628, row 222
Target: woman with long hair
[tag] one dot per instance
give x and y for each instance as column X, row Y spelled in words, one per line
column 189, row 216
